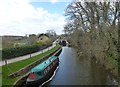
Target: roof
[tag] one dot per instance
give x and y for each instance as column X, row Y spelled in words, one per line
column 44, row 64
column 42, row 35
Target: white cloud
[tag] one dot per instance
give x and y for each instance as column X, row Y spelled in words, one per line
column 53, row 1
column 19, row 17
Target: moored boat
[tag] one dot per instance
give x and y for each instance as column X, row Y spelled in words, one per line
column 42, row 72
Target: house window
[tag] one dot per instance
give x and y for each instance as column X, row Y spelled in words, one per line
column 41, row 38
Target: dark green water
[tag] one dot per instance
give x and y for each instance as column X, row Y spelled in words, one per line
column 79, row 71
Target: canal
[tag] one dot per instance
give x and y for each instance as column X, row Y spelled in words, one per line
column 79, row 71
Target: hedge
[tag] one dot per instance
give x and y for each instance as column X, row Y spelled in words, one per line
column 8, row 53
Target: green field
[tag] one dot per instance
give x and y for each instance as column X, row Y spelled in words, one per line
column 13, row 67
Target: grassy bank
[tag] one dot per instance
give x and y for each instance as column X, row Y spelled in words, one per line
column 13, row 67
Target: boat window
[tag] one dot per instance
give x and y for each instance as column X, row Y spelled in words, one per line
column 48, row 68
column 39, row 73
column 51, row 65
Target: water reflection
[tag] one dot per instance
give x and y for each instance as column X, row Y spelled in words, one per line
column 79, row 71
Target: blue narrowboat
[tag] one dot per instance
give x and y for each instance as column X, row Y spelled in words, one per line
column 42, row 72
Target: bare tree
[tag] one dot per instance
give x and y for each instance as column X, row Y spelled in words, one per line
column 92, row 27
column 52, row 34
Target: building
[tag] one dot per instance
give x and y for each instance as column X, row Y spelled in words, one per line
column 16, row 41
column 43, row 37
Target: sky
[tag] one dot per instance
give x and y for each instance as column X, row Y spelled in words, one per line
column 21, row 17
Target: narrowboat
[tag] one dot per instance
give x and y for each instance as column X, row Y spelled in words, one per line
column 42, row 72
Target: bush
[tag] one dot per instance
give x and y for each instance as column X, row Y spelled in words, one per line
column 8, row 53
column 41, row 43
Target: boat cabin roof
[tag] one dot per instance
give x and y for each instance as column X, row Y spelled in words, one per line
column 44, row 64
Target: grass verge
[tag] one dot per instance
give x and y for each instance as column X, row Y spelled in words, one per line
column 13, row 67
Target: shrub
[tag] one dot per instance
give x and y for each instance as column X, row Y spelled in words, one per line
column 8, row 53
column 41, row 43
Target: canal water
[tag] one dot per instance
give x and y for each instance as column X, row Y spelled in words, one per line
column 79, row 71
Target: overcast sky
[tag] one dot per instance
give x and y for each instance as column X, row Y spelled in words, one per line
column 20, row 17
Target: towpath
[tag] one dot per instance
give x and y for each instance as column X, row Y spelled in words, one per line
column 26, row 56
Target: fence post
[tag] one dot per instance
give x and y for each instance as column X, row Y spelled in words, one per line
column 30, row 55
column 5, row 61
column 41, row 51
